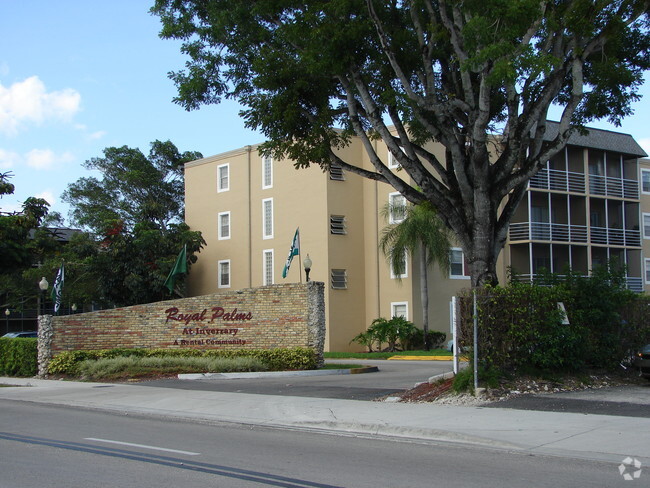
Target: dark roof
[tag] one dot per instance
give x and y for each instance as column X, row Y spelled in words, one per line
column 599, row 139
column 61, row 234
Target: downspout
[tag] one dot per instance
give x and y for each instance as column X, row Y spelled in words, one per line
column 250, row 231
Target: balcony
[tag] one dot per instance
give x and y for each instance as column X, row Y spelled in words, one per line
column 615, row 237
column 545, row 231
column 613, row 187
column 632, row 283
column 553, row 179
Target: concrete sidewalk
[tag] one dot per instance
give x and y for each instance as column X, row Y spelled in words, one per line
column 601, row 437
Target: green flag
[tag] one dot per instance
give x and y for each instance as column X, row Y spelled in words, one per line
column 57, row 289
column 294, row 251
column 180, row 268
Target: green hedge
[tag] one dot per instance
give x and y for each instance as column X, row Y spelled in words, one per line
column 18, row 356
column 520, row 326
column 276, row 359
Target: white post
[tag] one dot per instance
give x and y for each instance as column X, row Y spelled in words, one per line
column 475, row 343
column 454, row 338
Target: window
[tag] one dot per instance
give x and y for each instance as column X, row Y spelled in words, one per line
column 645, row 180
column 267, row 172
column 223, row 177
column 647, row 271
column 336, row 172
column 339, row 279
column 337, row 225
column 224, row 273
column 399, row 309
column 392, row 160
column 224, row 225
column 268, row 267
column 646, row 225
column 402, row 266
column 457, row 265
column 267, row 218
column 397, row 208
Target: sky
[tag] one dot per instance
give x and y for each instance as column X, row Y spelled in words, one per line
column 77, row 76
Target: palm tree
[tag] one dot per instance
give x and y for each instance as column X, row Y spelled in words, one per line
column 419, row 231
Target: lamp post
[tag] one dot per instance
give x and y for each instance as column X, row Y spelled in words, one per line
column 307, row 264
column 7, row 314
column 43, row 285
column 74, row 308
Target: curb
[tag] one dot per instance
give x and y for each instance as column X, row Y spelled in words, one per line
column 276, row 374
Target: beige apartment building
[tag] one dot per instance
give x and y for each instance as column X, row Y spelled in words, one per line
column 589, row 205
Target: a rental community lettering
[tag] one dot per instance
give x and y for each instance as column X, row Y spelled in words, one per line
column 204, row 335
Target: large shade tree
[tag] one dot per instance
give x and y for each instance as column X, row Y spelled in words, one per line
column 477, row 76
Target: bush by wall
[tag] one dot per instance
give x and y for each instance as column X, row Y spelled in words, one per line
column 18, row 356
column 521, row 327
column 67, row 363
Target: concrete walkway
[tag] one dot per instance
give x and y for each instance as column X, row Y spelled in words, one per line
column 602, row 437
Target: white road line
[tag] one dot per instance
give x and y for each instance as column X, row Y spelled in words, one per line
column 154, row 448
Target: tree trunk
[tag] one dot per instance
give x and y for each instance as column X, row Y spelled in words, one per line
column 424, row 294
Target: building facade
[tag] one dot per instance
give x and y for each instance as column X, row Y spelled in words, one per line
column 591, row 204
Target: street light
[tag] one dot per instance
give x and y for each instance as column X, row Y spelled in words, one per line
column 43, row 285
column 307, row 264
column 74, row 308
column 7, row 314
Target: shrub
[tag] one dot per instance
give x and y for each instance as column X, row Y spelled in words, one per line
column 134, row 365
column 416, row 340
column 67, row 363
column 382, row 331
column 521, row 327
column 18, row 356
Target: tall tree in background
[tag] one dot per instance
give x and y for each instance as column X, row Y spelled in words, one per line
column 133, row 188
column 449, row 71
column 135, row 211
column 422, row 234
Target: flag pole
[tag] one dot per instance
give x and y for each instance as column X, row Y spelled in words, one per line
column 299, row 255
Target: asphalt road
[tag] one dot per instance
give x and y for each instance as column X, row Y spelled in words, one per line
column 397, row 376
column 56, row 447
column 392, row 377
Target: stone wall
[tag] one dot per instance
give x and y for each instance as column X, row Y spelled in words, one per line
column 291, row 315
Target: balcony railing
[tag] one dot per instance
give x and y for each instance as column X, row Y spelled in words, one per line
column 613, row 187
column 545, row 231
column 553, row 179
column 615, row 237
column 632, row 283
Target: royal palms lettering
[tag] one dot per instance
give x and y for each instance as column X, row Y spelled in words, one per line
column 218, row 313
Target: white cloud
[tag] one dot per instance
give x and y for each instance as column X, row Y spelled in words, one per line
column 29, row 102
column 8, row 159
column 48, row 196
column 97, row 135
column 46, row 158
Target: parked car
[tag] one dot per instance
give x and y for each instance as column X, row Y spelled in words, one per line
column 642, row 361
column 27, row 333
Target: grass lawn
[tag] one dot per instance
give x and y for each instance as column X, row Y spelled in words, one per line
column 385, row 355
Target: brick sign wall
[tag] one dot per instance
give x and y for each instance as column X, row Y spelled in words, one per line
column 291, row 315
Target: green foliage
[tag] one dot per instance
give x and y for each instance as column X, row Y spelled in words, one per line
column 68, row 362
column 488, row 377
column 521, row 326
column 133, row 188
column 453, row 72
column 134, row 366
column 136, row 210
column 18, row 356
column 383, row 331
column 416, row 340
